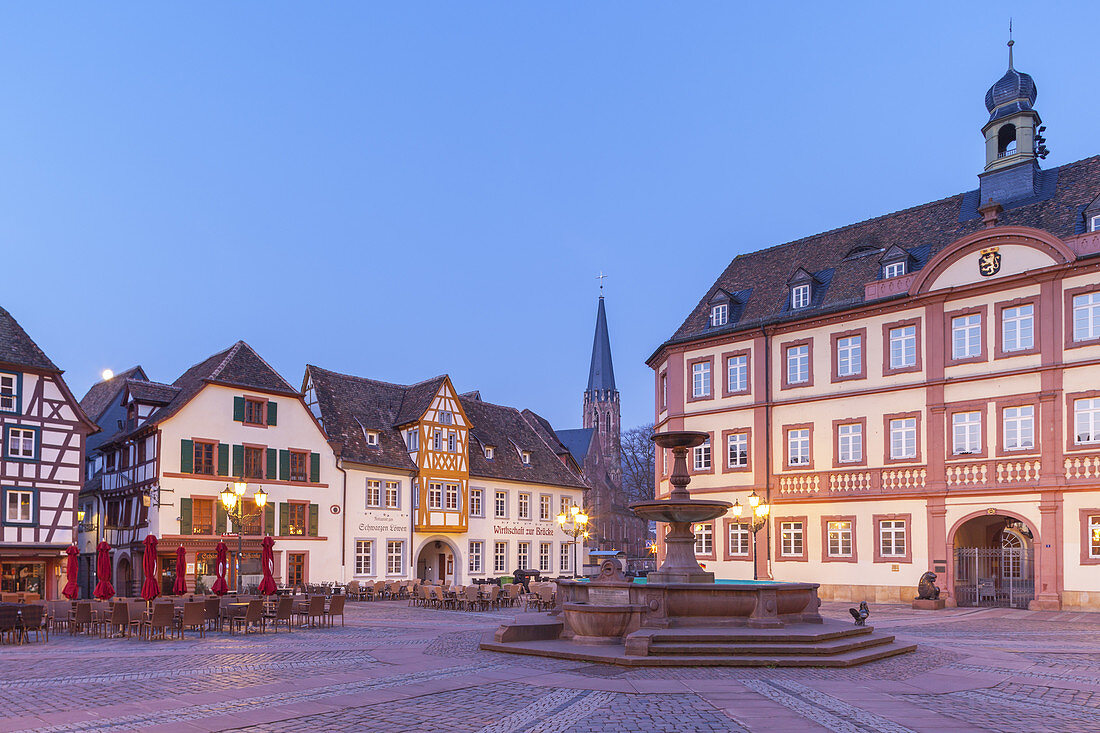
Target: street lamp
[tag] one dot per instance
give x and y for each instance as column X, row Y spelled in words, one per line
column 759, row 518
column 578, row 527
column 232, row 500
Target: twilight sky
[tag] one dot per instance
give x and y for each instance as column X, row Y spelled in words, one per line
column 404, row 190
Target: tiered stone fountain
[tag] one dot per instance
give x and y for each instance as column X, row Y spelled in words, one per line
column 680, row 615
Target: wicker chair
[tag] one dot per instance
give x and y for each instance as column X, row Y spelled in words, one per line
column 194, row 618
column 335, row 608
column 159, row 622
column 282, row 613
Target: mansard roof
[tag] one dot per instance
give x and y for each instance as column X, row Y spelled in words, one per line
column 350, row 405
column 18, row 349
column 101, row 394
column 1064, row 194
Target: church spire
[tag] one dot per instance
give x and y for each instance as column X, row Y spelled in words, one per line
column 601, row 375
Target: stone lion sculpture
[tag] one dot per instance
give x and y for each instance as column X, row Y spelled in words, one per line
column 927, row 590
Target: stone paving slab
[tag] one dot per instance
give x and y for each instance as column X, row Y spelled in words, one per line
column 393, row 668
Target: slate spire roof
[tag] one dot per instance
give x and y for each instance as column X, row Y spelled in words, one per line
column 601, row 374
column 19, row 349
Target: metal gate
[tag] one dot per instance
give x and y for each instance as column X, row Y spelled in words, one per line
column 1002, row 577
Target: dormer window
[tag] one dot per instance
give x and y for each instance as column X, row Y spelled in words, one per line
column 412, row 440
column 1094, row 223
column 894, row 269
column 526, row 456
column 800, row 296
column 719, row 314
column 489, row 451
column 372, row 438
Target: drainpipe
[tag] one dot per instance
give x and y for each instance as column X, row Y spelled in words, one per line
column 337, row 449
column 768, row 446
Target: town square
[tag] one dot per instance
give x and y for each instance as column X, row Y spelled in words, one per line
column 528, row 368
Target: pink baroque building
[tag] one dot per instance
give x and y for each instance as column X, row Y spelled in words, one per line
column 916, row 392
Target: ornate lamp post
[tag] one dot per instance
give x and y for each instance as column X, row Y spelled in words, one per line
column 760, row 512
column 232, row 500
column 577, row 522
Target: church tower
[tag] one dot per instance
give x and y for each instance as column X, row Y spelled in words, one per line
column 601, row 402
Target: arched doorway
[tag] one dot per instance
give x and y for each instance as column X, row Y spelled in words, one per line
column 123, row 576
column 994, row 562
column 437, row 562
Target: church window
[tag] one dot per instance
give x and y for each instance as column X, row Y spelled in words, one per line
column 607, row 422
column 800, row 296
column 894, row 269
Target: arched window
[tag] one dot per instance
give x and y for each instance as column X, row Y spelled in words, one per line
column 1006, row 141
column 607, row 422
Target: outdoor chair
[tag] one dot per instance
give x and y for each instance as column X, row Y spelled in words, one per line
column 194, row 618
column 33, row 619
column 119, row 621
column 310, row 609
column 253, row 618
column 493, row 599
column 282, row 613
column 545, row 598
column 213, row 608
column 159, row 621
column 335, row 608
column 435, row 596
column 511, row 594
column 351, row 590
column 81, row 620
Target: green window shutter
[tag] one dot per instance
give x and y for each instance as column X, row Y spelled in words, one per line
column 238, row 460
column 284, row 465
column 272, row 413
column 272, row 457
column 238, row 409
column 284, row 519
column 313, row 514
column 220, row 518
column 315, row 467
column 186, row 528
column 187, row 456
column 223, row 459
column 269, row 518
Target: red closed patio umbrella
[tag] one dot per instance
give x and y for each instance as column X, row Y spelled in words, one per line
column 267, row 558
column 180, row 586
column 150, row 588
column 71, row 589
column 220, row 586
column 103, row 588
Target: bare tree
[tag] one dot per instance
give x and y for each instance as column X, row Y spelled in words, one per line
column 639, row 461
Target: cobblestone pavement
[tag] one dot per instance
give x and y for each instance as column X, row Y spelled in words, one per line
column 393, row 668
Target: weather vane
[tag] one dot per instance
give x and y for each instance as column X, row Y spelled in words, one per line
column 600, row 277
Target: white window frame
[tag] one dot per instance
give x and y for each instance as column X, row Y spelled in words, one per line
column 523, row 506
column 966, row 432
column 903, row 347
column 1018, row 424
column 18, row 440
column 891, row 538
column 903, row 438
column 435, row 495
column 374, row 493
column 9, row 392
column 546, row 507
column 364, row 557
column 966, row 336
column 452, row 442
column 737, row 373
column 477, row 503
column 476, row 562
column 800, row 297
column 546, row 554
column 1018, row 328
column 412, row 440
column 450, row 497
column 792, row 535
column 798, row 364
column 701, row 456
column 798, row 447
column 393, row 494
column 9, row 505
column 704, row 539
column 1086, row 316
column 500, row 557
column 739, row 540
column 372, row 438
column 893, row 269
column 523, row 555
column 1094, row 223
column 737, row 450
column 1086, row 421
column 489, row 452
column 565, row 559
column 849, row 442
column 395, row 560
column 849, row 356
column 839, row 539
column 565, row 503
column 700, row 379
column 719, row 314
column 500, row 505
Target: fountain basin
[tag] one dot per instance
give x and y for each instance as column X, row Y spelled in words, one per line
column 589, row 623
column 693, row 510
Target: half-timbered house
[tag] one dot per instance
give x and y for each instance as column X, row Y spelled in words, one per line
column 44, row 434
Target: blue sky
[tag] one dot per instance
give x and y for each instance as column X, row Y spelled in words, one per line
column 402, row 190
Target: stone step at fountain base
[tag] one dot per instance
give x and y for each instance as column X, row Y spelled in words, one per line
column 832, row 644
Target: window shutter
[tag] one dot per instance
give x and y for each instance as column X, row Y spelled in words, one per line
column 186, row 527
column 284, row 518
column 238, row 409
column 223, row 459
column 272, row 457
column 238, row 460
column 272, row 413
column 220, row 518
column 187, row 456
column 313, row 515
column 269, row 518
column 284, row 465
column 315, row 467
